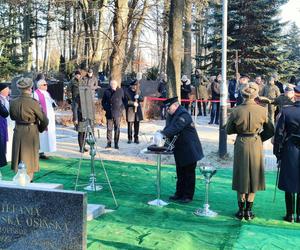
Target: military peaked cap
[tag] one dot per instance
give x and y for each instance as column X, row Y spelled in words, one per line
column 170, row 101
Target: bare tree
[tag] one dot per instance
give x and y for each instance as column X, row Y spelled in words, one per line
column 120, row 36
column 187, row 34
column 175, row 47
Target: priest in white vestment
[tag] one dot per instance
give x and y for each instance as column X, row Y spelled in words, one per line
column 48, row 137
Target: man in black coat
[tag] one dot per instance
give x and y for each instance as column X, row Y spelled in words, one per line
column 134, row 112
column 187, row 151
column 112, row 103
column 287, row 151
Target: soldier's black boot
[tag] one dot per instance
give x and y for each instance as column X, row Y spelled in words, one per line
column 248, row 214
column 240, row 213
column 298, row 208
column 290, row 206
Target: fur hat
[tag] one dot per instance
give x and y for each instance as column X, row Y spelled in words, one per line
column 250, row 91
column 184, row 78
column 24, row 83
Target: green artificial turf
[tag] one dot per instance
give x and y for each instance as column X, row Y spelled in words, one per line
column 136, row 225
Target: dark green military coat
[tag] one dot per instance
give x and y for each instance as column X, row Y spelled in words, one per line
column 247, row 121
column 30, row 120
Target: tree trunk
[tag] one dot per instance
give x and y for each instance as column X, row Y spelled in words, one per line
column 164, row 38
column 175, row 47
column 26, row 38
column 46, row 37
column 120, row 36
column 187, row 33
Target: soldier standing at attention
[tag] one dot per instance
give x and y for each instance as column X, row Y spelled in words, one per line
column 247, row 121
column 134, row 112
column 271, row 91
column 30, row 120
column 287, row 151
column 187, row 151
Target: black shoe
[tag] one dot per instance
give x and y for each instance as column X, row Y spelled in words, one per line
column 240, row 213
column 210, row 123
column 108, row 145
column 175, row 198
column 185, row 200
column 248, row 215
column 129, row 141
column 44, row 157
column 83, row 150
column 298, row 218
column 116, row 146
column 289, row 218
column 217, row 123
column 136, row 141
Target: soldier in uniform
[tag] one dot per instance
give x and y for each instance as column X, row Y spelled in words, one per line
column 247, row 121
column 259, row 82
column 91, row 81
column 187, row 151
column 73, row 90
column 113, row 104
column 134, row 112
column 271, row 91
column 30, row 120
column 285, row 99
column 287, row 151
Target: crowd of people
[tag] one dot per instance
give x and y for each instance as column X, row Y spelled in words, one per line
column 258, row 112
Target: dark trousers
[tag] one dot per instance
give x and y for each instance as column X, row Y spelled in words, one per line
column 186, row 105
column 201, row 105
column 163, row 111
column 81, row 142
column 186, row 180
column 75, row 110
column 290, row 203
column 214, row 115
column 113, row 123
column 136, row 127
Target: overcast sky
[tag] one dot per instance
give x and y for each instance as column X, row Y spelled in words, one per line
column 291, row 11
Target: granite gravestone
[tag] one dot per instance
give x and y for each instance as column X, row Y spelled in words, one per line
column 42, row 219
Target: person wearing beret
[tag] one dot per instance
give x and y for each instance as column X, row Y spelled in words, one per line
column 243, row 81
column 4, row 91
column 251, row 124
column 187, row 150
column 113, row 105
column 134, row 112
column 287, row 151
column 30, row 120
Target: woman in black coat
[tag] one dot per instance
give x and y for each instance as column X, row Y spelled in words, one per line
column 134, row 112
